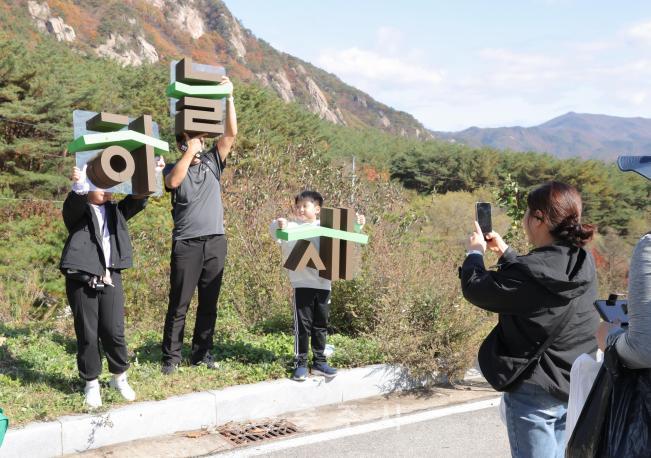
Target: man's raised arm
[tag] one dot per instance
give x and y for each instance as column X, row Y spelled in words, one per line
column 176, row 176
column 225, row 142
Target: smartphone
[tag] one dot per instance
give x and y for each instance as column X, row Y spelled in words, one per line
column 483, row 216
column 612, row 310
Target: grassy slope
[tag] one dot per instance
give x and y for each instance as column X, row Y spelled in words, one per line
column 39, row 378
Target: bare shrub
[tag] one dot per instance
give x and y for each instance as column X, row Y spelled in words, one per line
column 612, row 254
column 424, row 322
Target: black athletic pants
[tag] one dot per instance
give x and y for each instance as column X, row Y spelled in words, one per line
column 98, row 316
column 195, row 262
column 311, row 309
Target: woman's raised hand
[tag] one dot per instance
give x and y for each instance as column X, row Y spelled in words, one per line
column 476, row 240
column 495, row 243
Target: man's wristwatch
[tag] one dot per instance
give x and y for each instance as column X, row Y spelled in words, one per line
column 474, row 252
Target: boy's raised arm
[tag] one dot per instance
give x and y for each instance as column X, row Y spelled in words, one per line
column 74, row 206
column 360, row 222
column 278, row 223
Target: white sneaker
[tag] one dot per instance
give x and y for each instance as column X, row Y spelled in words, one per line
column 91, row 391
column 119, row 382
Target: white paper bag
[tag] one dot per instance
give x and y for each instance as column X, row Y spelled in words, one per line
column 582, row 376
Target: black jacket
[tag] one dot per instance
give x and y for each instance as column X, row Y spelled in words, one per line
column 83, row 249
column 531, row 293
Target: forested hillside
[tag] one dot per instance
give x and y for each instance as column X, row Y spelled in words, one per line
column 40, row 86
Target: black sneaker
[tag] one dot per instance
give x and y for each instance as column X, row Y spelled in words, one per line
column 208, row 360
column 324, row 369
column 168, row 368
column 300, row 374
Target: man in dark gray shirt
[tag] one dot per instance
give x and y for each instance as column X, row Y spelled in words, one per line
column 199, row 243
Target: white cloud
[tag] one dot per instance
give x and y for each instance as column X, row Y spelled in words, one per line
column 641, row 31
column 511, row 58
column 638, row 98
column 389, row 39
column 354, row 64
column 632, row 70
column 508, row 67
column 497, row 86
column 633, row 97
column 593, row 47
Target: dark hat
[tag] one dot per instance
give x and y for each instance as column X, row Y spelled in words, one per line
column 639, row 164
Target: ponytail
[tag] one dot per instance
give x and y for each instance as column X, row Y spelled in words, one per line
column 561, row 207
column 576, row 234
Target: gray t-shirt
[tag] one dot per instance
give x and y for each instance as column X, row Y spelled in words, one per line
column 198, row 208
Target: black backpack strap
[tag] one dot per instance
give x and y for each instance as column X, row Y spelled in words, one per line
column 173, row 198
column 212, row 160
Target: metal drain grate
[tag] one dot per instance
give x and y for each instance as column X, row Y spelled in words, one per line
column 246, row 433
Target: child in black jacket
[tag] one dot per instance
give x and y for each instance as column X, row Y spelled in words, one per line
column 97, row 249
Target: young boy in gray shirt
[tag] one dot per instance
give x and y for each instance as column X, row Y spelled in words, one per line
column 311, row 302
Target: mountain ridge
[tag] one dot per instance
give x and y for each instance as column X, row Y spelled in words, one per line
column 584, row 135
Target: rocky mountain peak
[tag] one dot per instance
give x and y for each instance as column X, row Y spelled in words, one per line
column 148, row 31
column 236, row 36
column 279, row 82
column 122, row 49
column 188, row 18
column 47, row 23
column 319, row 103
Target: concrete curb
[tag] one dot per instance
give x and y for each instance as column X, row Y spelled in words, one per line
column 73, row 434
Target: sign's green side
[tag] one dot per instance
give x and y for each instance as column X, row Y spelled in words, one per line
column 4, row 424
column 300, row 233
column 128, row 139
column 179, row 90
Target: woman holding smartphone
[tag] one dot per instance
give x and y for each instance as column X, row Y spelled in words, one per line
column 545, row 315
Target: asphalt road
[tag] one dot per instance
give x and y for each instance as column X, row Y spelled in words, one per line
column 478, row 433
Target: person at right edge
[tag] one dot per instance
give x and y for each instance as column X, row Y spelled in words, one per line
column 633, row 343
column 545, row 316
column 198, row 242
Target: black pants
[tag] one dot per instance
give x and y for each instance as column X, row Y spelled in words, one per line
column 98, row 316
column 311, row 309
column 195, row 262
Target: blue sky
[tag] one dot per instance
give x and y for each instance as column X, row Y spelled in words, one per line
column 472, row 63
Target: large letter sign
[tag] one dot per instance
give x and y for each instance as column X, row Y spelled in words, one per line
column 197, row 104
column 337, row 258
column 119, row 152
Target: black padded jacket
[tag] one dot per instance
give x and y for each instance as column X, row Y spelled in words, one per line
column 530, row 293
column 83, row 248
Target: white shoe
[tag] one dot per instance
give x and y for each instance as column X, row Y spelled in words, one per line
column 119, row 382
column 91, row 391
